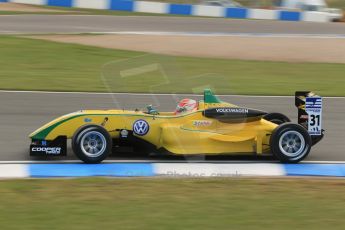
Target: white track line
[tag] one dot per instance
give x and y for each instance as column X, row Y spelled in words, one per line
column 143, row 94
column 7, row 31
column 207, row 34
column 134, row 94
column 166, row 161
column 193, row 34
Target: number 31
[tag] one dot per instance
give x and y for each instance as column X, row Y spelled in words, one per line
column 314, row 119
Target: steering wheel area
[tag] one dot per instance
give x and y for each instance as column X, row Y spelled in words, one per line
column 151, row 110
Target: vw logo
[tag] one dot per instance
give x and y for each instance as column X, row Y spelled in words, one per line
column 141, row 127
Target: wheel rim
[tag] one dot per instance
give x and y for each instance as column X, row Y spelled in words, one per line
column 292, row 143
column 93, row 144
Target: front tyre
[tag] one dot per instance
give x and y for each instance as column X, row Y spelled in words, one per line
column 290, row 143
column 92, row 144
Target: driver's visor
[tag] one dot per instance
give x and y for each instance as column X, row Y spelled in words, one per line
column 180, row 109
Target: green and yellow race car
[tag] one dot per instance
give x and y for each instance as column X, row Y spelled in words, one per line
column 207, row 127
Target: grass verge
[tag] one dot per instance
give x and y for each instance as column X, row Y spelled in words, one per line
column 29, row 64
column 216, row 203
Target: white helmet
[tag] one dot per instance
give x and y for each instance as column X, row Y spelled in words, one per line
column 186, row 105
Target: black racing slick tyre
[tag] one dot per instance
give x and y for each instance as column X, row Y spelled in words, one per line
column 290, row 143
column 92, row 144
column 276, row 118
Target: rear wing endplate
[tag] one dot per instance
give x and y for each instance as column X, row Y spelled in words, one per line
column 309, row 111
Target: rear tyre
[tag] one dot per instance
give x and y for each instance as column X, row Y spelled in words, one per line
column 276, row 118
column 290, row 143
column 92, row 144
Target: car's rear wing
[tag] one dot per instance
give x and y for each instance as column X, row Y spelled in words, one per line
column 309, row 111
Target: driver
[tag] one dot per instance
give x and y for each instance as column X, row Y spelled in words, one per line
column 185, row 106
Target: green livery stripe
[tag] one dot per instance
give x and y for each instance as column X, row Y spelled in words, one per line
column 44, row 133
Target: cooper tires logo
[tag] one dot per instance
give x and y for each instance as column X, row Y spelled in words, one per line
column 141, row 127
column 47, row 150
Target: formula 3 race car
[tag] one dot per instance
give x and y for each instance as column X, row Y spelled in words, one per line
column 214, row 127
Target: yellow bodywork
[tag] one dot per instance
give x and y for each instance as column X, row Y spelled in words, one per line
column 191, row 133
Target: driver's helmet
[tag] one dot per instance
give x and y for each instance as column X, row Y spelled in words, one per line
column 186, row 105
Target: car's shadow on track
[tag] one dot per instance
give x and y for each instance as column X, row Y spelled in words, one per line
column 139, row 157
column 200, row 158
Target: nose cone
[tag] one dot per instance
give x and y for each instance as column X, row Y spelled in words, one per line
column 43, row 131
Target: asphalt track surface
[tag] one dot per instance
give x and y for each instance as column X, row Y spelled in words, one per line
column 23, row 112
column 32, row 24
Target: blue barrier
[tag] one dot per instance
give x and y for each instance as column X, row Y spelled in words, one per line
column 187, row 9
column 168, row 169
column 180, row 9
column 289, row 16
column 337, row 170
column 236, row 12
column 84, row 170
column 125, row 5
column 62, row 3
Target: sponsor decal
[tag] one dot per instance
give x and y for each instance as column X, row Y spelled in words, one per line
column 313, row 103
column 304, row 117
column 47, row 150
column 202, row 123
column 141, row 127
column 210, row 105
column 124, row 133
column 313, row 107
column 87, row 119
column 232, row 110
